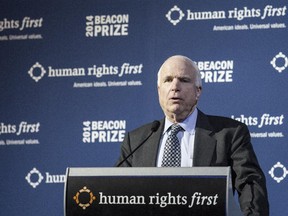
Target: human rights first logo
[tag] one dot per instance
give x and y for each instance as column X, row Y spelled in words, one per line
column 278, row 172
column 34, row 178
column 175, row 15
column 279, row 62
column 37, row 71
column 85, row 197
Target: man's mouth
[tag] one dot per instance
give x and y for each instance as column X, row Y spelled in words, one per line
column 175, row 98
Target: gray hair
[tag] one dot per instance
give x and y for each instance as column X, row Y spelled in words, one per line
column 198, row 81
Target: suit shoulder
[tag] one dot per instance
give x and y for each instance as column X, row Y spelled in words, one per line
column 219, row 121
column 143, row 129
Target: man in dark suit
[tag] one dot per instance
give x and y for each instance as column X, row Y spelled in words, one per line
column 204, row 140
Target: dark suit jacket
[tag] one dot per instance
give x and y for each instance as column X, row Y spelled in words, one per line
column 219, row 141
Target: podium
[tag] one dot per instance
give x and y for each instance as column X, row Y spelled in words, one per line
column 149, row 191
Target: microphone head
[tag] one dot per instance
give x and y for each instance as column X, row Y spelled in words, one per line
column 155, row 126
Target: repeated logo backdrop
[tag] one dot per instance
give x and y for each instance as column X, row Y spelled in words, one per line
column 76, row 76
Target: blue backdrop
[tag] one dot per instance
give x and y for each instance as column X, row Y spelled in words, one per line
column 75, row 76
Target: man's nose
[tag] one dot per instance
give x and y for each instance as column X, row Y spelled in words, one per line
column 175, row 85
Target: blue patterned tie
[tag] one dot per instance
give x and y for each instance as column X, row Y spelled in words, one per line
column 172, row 149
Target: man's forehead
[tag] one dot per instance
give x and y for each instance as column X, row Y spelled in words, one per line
column 178, row 71
column 177, row 75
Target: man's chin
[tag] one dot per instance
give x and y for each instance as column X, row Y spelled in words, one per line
column 177, row 110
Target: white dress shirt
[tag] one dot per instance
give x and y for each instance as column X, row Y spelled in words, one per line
column 185, row 137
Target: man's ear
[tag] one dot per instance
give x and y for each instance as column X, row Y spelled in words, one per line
column 198, row 93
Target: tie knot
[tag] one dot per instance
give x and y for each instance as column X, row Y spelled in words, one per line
column 175, row 128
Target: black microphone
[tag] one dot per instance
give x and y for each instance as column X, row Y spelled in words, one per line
column 154, row 128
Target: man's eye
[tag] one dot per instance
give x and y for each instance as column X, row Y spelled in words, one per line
column 168, row 80
column 185, row 80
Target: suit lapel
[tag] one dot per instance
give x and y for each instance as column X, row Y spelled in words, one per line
column 205, row 143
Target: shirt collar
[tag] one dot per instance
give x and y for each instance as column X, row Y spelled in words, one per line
column 188, row 124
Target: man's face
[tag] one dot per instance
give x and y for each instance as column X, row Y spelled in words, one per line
column 177, row 91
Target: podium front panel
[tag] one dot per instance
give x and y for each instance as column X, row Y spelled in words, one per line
column 146, row 191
